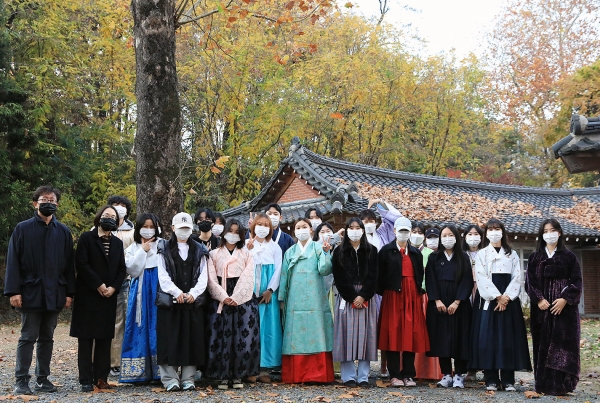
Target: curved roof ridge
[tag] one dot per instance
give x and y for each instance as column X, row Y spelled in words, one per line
column 368, row 169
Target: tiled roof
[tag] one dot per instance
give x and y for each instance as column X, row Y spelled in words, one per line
column 336, row 180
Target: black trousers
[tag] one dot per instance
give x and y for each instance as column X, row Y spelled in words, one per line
column 36, row 327
column 491, row 376
column 408, row 364
column 460, row 366
column 93, row 359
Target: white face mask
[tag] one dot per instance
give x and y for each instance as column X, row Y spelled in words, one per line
column 432, row 243
column 416, row 239
column 370, row 228
column 473, row 240
column 261, row 231
column 302, row 234
column 122, row 211
column 217, row 229
column 551, row 238
column 449, row 242
column 232, row 238
column 402, row 236
column 183, row 233
column 274, row 220
column 147, row 233
column 494, row 236
column 325, row 236
column 355, row 234
column 315, row 223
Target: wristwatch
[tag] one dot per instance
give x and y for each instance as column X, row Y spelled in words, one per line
column 269, row 289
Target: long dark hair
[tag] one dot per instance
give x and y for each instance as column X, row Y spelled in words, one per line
column 494, row 222
column 479, row 230
column 463, row 263
column 541, row 244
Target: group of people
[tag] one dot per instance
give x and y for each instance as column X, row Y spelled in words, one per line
column 241, row 303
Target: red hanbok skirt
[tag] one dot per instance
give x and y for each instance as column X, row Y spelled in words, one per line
column 402, row 321
column 307, row 368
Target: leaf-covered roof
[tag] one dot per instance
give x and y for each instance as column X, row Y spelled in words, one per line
column 434, row 200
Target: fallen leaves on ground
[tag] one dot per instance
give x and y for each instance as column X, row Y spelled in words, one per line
column 157, row 390
column 321, row 399
column 531, row 395
column 272, row 394
column 395, row 394
column 490, row 392
column 382, row 384
column 25, row 398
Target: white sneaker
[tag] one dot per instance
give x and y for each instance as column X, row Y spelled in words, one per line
column 458, row 381
column 446, row 381
column 509, row 387
column 491, row 386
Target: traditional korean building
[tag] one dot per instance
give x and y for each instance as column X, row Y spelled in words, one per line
column 341, row 189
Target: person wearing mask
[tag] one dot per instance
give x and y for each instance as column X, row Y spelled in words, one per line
column 449, row 283
column 472, row 243
column 389, row 214
column 124, row 232
column 205, row 219
column 402, row 328
column 234, row 344
column 427, row 367
column 100, row 264
column 40, row 281
column 498, row 317
column 323, row 234
column 219, row 225
column 369, row 220
column 355, row 326
column 267, row 261
column 180, row 332
column 554, row 287
column 307, row 322
column 139, row 356
column 273, row 211
column 432, row 239
column 315, row 216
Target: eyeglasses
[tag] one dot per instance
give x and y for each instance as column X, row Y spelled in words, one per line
column 44, row 200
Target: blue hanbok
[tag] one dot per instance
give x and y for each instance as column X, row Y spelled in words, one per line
column 268, row 258
column 138, row 358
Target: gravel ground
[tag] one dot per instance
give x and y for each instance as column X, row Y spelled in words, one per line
column 64, row 375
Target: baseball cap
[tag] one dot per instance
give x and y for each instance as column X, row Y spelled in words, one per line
column 402, row 223
column 183, row 220
column 432, row 232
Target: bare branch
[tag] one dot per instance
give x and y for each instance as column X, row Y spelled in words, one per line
column 383, row 9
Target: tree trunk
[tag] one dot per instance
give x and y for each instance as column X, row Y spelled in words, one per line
column 158, row 135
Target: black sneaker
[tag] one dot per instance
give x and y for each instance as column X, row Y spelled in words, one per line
column 351, row 383
column 44, row 385
column 22, row 387
column 87, row 387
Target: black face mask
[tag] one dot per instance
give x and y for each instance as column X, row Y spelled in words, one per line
column 204, row 226
column 108, row 224
column 47, row 209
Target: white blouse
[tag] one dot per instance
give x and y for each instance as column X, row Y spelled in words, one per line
column 266, row 253
column 168, row 286
column 488, row 262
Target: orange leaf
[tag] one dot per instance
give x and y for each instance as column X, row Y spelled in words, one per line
column 215, row 170
column 336, row 115
column 346, row 396
column 232, row 19
column 531, row 395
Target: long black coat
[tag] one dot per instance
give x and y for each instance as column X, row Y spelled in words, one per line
column 94, row 315
column 39, row 266
column 555, row 337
